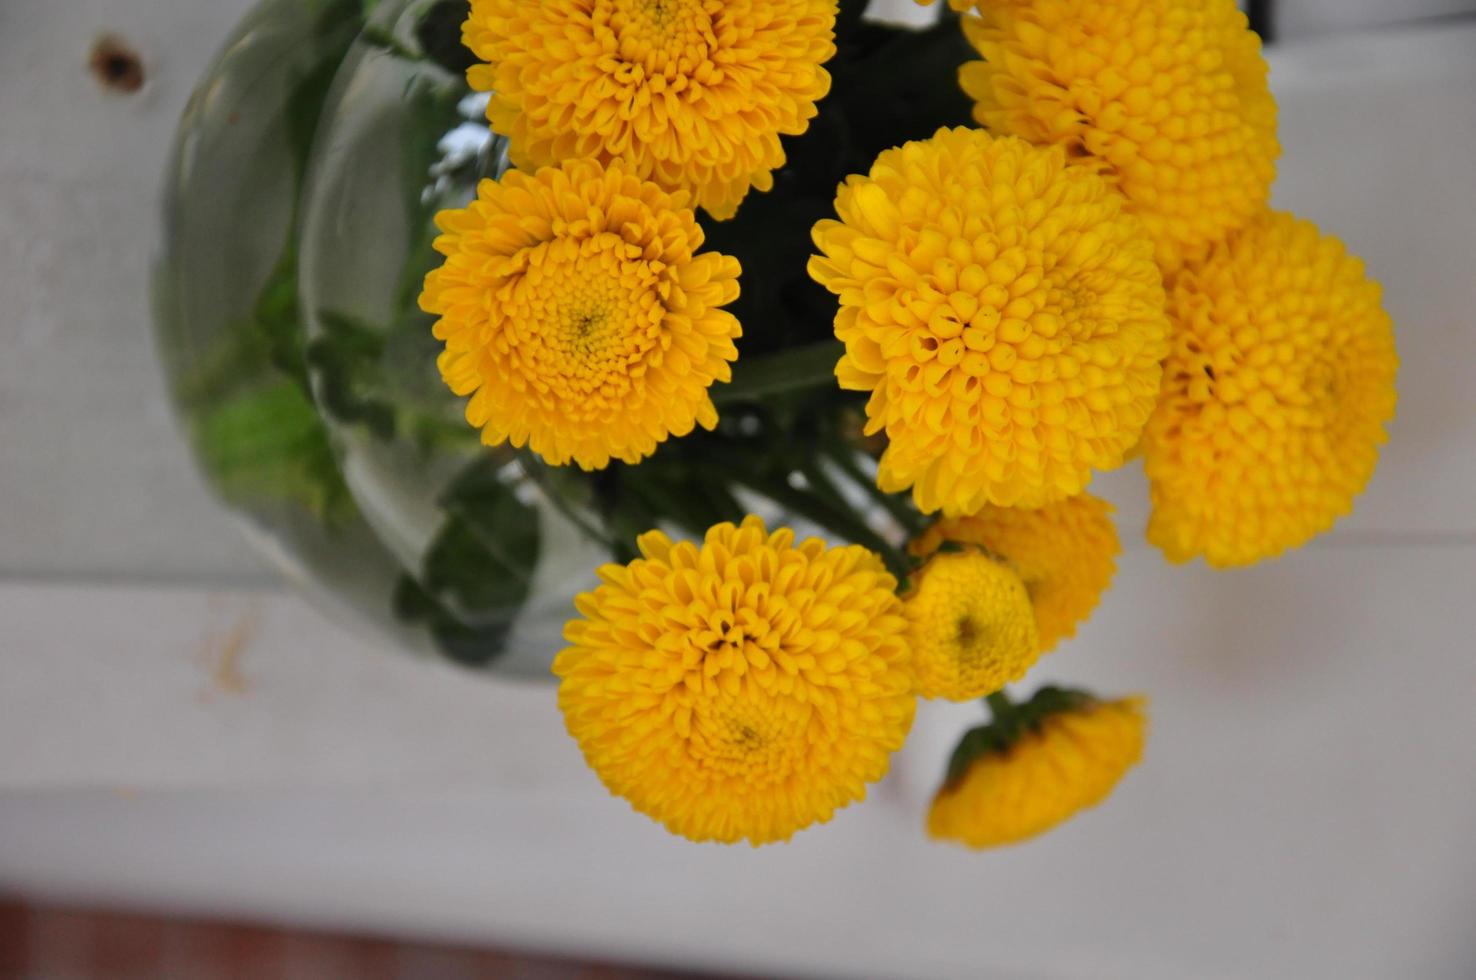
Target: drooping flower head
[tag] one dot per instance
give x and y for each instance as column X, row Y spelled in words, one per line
column 1004, row 312
column 1275, row 396
column 969, row 626
column 741, row 688
column 1065, row 753
column 1168, row 99
column 692, row 94
column 579, row 315
column 1063, row 552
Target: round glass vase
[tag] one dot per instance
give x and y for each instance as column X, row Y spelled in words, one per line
column 299, row 222
column 315, row 414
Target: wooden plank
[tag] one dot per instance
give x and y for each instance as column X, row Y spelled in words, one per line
column 1304, row 809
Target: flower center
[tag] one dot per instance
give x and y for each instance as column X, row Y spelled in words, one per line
column 583, row 330
column 745, row 737
column 1322, row 381
column 666, row 37
column 662, row 12
column 759, row 741
column 583, row 319
column 753, row 730
column 972, row 636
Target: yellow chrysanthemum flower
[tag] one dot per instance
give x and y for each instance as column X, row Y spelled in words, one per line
column 1004, row 312
column 743, row 688
column 969, row 626
column 1068, row 760
column 1275, row 396
column 692, row 94
column 579, row 315
column 1166, row 98
column 1064, row 553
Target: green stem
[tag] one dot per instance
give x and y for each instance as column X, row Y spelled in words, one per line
column 551, row 493
column 810, row 366
column 682, row 512
column 490, row 542
column 385, row 41
column 821, row 483
column 1000, row 705
column 838, row 522
column 912, row 522
column 1008, row 721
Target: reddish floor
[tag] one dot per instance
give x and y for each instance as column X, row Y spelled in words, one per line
column 52, row 943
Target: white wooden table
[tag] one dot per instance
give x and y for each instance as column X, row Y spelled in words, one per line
column 177, row 732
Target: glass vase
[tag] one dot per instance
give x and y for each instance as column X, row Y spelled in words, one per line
column 299, row 221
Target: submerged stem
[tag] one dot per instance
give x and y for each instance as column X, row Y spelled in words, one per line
column 838, row 521
column 912, row 522
column 533, row 470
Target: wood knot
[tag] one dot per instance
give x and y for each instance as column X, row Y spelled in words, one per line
column 115, row 65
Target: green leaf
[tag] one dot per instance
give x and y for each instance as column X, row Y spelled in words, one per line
column 1011, row 722
column 479, row 568
column 268, row 444
column 275, row 320
column 471, row 646
column 346, row 357
column 387, row 381
column 794, row 368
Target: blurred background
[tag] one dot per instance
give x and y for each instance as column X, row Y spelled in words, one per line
column 201, row 775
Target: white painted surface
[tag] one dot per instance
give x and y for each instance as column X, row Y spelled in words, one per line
column 94, row 478
column 1297, row 19
column 1304, row 811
